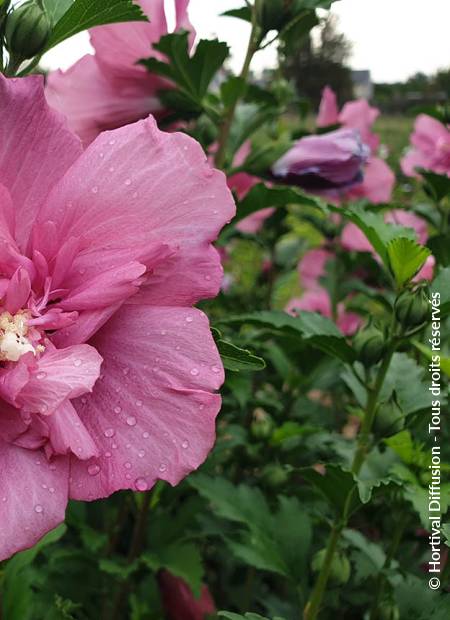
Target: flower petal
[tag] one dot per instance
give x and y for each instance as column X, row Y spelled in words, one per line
column 153, row 413
column 33, row 496
column 36, row 148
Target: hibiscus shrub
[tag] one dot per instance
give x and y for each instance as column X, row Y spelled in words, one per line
column 178, row 241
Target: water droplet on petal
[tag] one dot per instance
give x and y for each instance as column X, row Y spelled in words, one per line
column 41, row 375
column 93, row 470
column 162, row 467
column 131, row 420
column 139, row 403
column 141, row 484
column 77, row 363
column 38, row 508
column 189, row 319
column 112, row 142
column 127, row 465
column 141, row 454
column 117, row 409
column 95, row 190
column 194, row 372
column 127, row 181
column 110, row 432
column 185, row 444
column 215, row 369
column 146, row 435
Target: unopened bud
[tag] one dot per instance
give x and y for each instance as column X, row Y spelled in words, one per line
column 262, row 424
column 369, row 345
column 412, row 308
column 28, row 29
column 340, row 566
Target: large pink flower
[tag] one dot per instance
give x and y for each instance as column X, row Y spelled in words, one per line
column 109, row 90
column 108, row 376
column 430, row 147
column 379, row 180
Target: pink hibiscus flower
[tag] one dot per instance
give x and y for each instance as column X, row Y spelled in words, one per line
column 431, row 147
column 379, row 180
column 109, row 90
column 108, row 376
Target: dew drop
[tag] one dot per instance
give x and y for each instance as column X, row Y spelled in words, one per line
column 141, row 484
column 131, row 420
column 77, row 363
column 189, row 319
column 127, row 465
column 93, row 470
column 38, row 508
column 110, row 432
column 139, row 403
column 127, row 181
column 194, row 372
column 95, row 190
column 162, row 467
column 141, row 454
column 117, row 409
column 215, row 369
column 185, row 444
column 51, row 489
column 112, row 142
column 108, row 455
column 146, row 435
column 41, row 375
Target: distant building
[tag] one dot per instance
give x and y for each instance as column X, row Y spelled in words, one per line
column 362, row 84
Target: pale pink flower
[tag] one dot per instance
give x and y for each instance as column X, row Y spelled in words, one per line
column 430, row 147
column 378, row 179
column 312, row 267
column 108, row 375
column 108, row 89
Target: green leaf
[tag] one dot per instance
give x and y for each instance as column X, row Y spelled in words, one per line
column 56, row 8
column 406, row 258
column 445, row 529
column 312, row 328
column 377, row 231
column 84, row 14
column 17, row 593
column 441, row 285
column 368, row 557
column 192, row 74
column 375, row 472
column 244, row 13
column 236, row 359
column 336, row 485
column 437, row 185
column 444, row 361
column 182, row 560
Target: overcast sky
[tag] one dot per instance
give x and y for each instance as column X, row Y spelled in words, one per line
column 392, row 38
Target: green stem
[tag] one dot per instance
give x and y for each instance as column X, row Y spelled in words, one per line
column 381, row 581
column 137, row 541
column 314, row 604
column 225, row 129
column 13, row 66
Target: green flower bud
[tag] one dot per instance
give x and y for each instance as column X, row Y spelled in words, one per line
column 369, row 345
column 27, row 30
column 412, row 308
column 389, row 420
column 262, row 424
column 274, row 475
column 388, row 611
column 340, row 566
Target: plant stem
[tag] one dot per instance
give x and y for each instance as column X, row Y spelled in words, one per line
column 225, row 129
column 137, row 541
column 314, row 604
column 381, row 581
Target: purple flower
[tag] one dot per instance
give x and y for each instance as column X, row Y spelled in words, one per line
column 331, row 161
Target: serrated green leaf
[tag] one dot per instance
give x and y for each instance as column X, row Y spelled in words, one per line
column 85, row 14
column 406, row 258
column 192, row 74
column 312, row 328
column 244, row 13
column 438, row 185
column 336, row 485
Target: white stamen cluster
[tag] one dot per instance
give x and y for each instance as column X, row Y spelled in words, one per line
column 13, row 337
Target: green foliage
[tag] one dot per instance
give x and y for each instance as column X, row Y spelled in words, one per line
column 406, row 258
column 84, row 14
column 191, row 74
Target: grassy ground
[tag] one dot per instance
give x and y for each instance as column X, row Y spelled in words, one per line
column 394, row 132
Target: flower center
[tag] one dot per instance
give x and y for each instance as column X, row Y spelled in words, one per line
column 13, row 337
